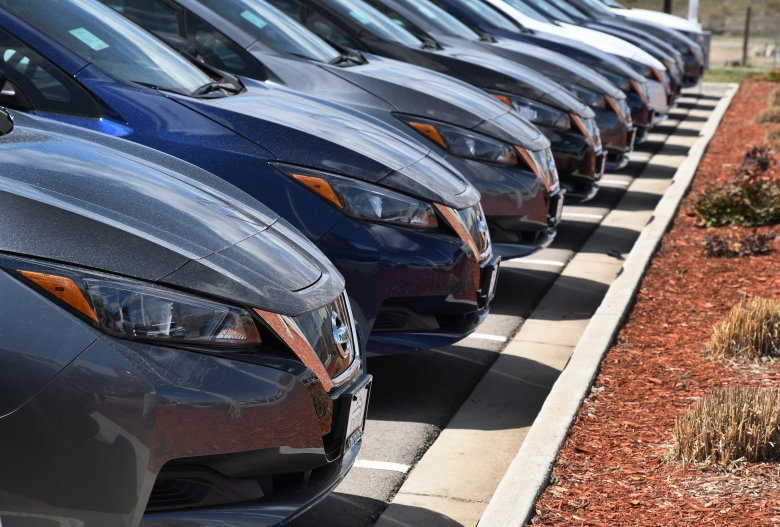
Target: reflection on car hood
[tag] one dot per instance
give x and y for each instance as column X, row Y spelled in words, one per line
column 540, row 86
column 557, row 66
column 309, row 131
column 419, row 91
column 94, row 201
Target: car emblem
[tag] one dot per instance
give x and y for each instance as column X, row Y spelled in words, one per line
column 484, row 233
column 340, row 335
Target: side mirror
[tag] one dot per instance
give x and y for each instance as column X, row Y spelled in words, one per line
column 11, row 96
column 6, row 122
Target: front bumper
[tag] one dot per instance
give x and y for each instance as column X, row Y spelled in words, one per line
column 91, row 447
column 421, row 281
column 580, row 165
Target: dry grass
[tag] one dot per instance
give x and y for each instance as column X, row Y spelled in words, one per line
column 773, row 137
column 750, row 331
column 774, row 98
column 731, row 424
column 769, row 115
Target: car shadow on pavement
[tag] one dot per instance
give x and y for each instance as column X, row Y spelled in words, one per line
column 429, row 387
column 349, row 510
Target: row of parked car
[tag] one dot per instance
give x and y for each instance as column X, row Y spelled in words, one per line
column 214, row 210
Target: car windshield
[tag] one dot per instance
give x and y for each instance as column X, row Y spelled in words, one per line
column 273, row 28
column 564, row 6
column 528, row 11
column 439, row 19
column 375, row 22
column 489, row 15
column 597, row 6
column 102, row 37
column 552, row 11
column 613, row 3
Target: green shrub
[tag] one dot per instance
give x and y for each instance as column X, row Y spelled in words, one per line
column 772, row 75
column 751, row 199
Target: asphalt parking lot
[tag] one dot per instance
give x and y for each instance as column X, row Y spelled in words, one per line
column 415, row 396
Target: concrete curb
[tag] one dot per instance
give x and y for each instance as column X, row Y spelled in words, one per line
column 513, row 502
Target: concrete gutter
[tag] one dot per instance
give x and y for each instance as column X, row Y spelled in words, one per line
column 513, row 502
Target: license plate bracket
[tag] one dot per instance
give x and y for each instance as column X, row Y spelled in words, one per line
column 356, row 410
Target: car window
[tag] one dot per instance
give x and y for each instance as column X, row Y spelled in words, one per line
column 46, row 88
column 528, row 11
column 486, row 14
column 374, row 22
column 220, row 51
column 273, row 28
column 154, row 15
column 440, row 19
column 331, row 32
column 290, row 8
column 101, row 36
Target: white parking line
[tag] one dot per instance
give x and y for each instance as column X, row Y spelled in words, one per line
column 534, row 261
column 382, row 465
column 583, row 215
column 618, row 182
column 484, row 336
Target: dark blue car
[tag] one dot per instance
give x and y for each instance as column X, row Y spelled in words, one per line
column 401, row 225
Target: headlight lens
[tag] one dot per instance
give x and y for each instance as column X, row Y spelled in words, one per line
column 464, row 143
column 537, row 112
column 364, row 200
column 134, row 310
column 587, row 96
column 623, row 83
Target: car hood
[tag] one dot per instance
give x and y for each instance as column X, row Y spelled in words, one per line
column 300, row 129
column 94, row 201
column 609, row 44
column 657, row 17
column 505, row 75
column 549, row 63
column 419, row 91
column 385, row 87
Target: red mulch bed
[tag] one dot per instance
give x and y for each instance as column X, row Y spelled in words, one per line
column 612, row 470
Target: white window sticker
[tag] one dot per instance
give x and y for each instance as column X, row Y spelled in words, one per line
column 254, row 19
column 88, row 38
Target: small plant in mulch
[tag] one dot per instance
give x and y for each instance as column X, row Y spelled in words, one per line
column 774, row 98
column 750, row 199
column 750, row 331
column 754, row 244
column 773, row 136
column 730, row 425
column 772, row 75
column 769, row 115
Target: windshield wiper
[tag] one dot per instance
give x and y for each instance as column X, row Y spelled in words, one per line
column 213, row 87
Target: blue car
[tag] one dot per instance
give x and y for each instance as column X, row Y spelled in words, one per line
column 405, row 229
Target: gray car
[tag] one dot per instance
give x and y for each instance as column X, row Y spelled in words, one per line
column 172, row 352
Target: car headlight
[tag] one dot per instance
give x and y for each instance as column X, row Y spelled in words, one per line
column 136, row 310
column 623, row 83
column 535, row 111
column 464, row 143
column 364, row 200
column 587, row 96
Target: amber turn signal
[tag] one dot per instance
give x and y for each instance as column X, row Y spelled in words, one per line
column 64, row 289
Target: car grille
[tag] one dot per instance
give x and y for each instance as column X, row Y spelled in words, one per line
column 474, row 221
column 324, row 339
column 545, row 164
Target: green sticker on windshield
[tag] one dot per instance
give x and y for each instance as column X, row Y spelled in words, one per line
column 88, row 38
column 254, row 19
column 360, row 17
